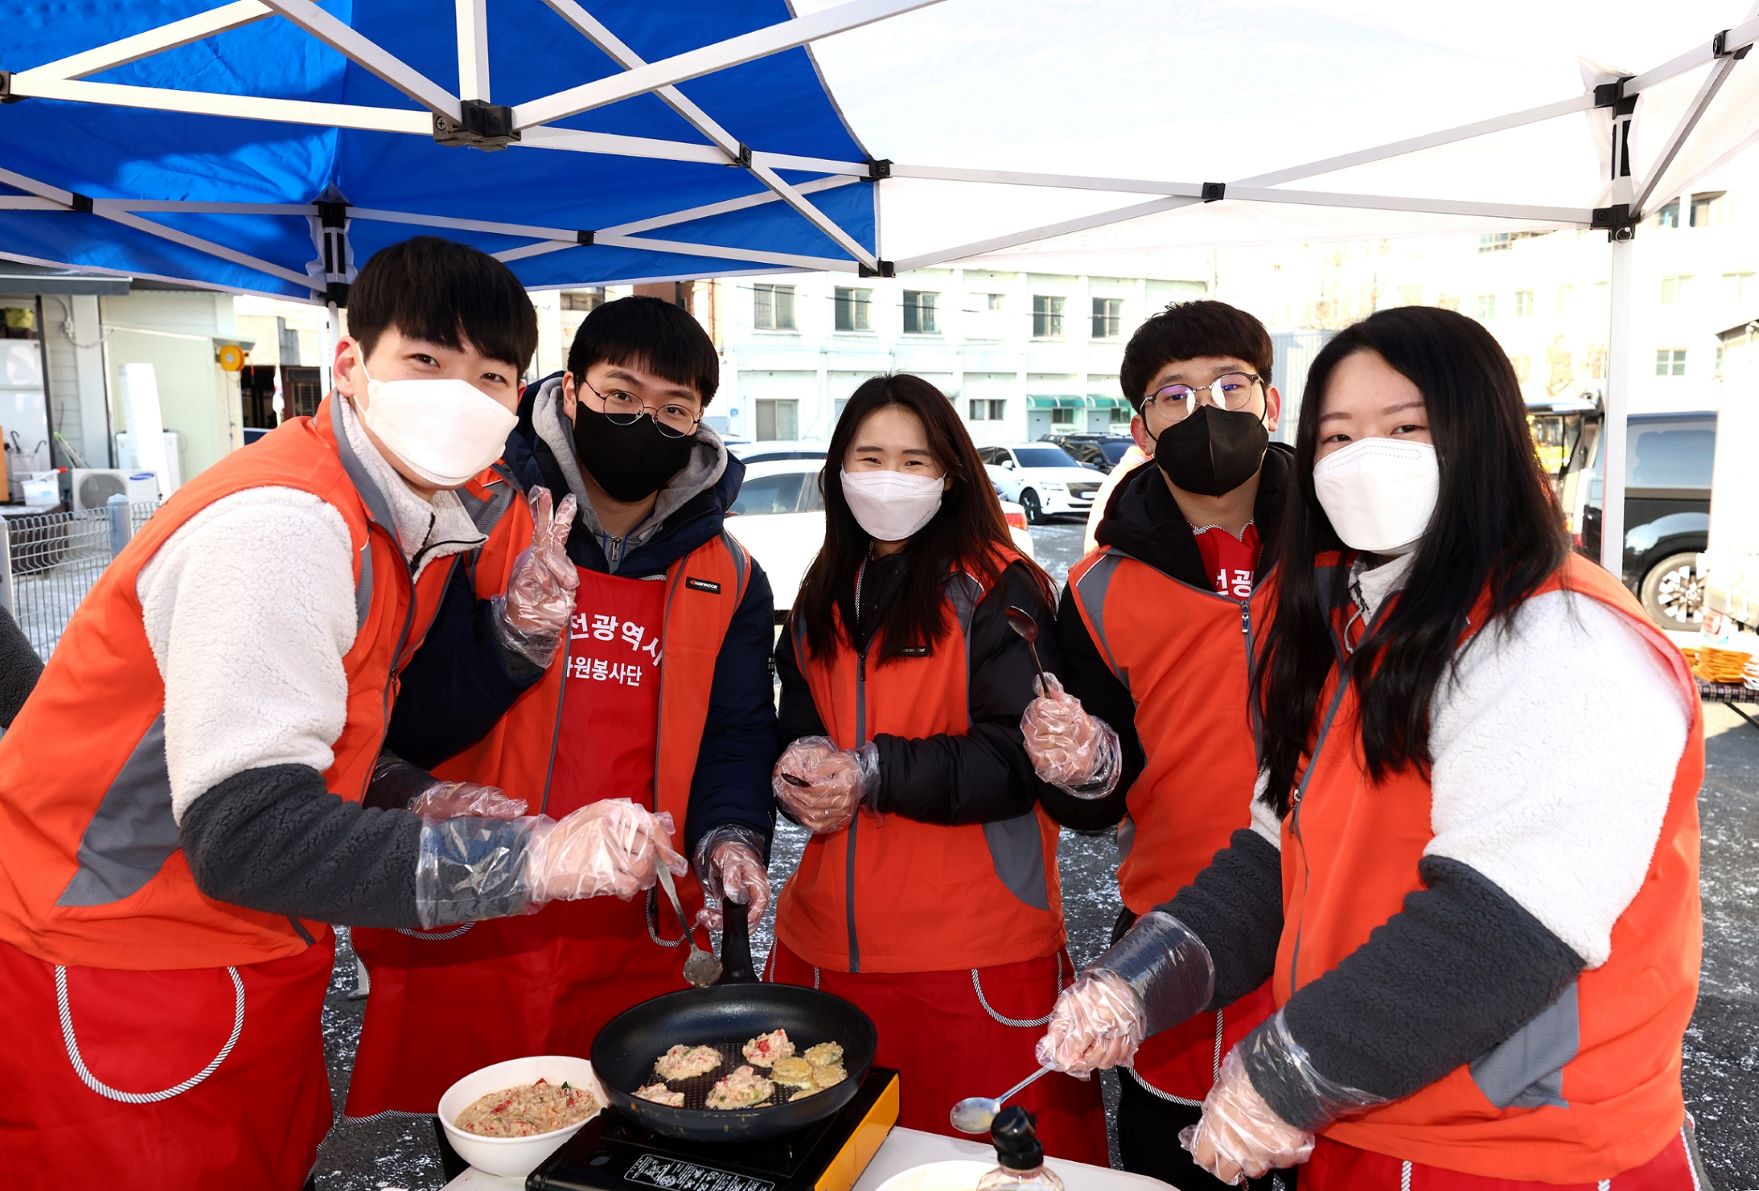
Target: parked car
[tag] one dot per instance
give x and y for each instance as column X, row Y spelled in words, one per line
column 1099, row 451
column 780, row 517
column 1042, row 477
column 1667, row 511
column 771, row 450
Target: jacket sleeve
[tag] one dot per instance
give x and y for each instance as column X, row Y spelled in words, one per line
column 739, row 742
column 458, row 683
column 984, row 775
column 19, row 668
column 799, row 715
column 1086, row 676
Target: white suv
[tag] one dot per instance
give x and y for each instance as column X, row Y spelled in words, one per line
column 1042, row 477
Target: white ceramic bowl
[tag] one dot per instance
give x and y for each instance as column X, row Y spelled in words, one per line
column 514, row 1157
column 939, row 1176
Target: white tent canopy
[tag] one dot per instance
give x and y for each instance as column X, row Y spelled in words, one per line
column 1052, row 128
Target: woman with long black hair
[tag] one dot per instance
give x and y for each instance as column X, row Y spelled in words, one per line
column 1473, row 872
column 928, row 894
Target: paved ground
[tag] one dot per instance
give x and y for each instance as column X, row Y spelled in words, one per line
column 1722, row 1047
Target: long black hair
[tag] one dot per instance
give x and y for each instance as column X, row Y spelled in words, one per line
column 967, row 532
column 1496, row 522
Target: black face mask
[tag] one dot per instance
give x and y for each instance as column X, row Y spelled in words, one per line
column 632, row 462
column 1213, row 451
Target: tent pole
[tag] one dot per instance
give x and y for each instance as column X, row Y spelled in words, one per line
column 332, row 335
column 1621, row 348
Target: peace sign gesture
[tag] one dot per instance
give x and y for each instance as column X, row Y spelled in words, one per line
column 533, row 614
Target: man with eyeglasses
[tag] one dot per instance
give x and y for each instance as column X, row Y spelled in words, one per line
column 1152, row 734
column 662, row 695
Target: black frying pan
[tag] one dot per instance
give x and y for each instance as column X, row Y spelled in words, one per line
column 725, row 1017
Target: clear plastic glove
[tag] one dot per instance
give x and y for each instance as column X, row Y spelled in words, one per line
column 1153, row 978
column 1097, row 1024
column 531, row 616
column 1240, row 1136
column 730, row 862
column 822, row 785
column 1069, row 748
column 612, row 847
column 449, row 800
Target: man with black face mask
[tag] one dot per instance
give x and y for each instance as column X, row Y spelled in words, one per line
column 662, row 695
column 1152, row 734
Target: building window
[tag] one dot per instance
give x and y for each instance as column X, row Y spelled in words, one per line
column 837, row 407
column 777, row 420
column 583, row 299
column 1047, row 317
column 985, row 409
column 1523, row 302
column 1670, row 361
column 1108, row 317
column 1448, row 302
column 1494, row 242
column 853, row 309
column 1062, row 417
column 1669, row 215
column 1707, row 209
column 1674, row 287
column 1121, row 415
column 772, row 307
column 1717, row 366
column 1486, row 307
column 995, row 302
column 1523, row 367
column 1737, row 288
column 919, row 314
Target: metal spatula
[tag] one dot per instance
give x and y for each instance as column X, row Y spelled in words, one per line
column 702, row 968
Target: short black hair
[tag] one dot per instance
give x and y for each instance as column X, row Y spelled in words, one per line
column 1186, row 330
column 652, row 335
column 446, row 293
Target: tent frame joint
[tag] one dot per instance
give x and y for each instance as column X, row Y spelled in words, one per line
column 1214, row 192
column 884, row 269
column 481, row 125
column 1612, row 95
column 743, row 158
column 879, row 168
column 336, row 294
column 332, row 213
column 6, row 95
column 584, row 237
column 1617, row 221
column 1719, row 47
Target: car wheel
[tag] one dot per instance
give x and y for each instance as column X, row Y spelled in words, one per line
column 1673, row 592
column 1034, row 510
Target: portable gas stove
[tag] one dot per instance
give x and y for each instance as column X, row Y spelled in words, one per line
column 613, row 1154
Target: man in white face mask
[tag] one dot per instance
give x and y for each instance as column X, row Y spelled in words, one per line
column 181, row 793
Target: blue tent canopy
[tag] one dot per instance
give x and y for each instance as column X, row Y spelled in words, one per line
column 270, row 146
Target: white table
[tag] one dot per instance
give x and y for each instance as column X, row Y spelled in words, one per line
column 903, row 1149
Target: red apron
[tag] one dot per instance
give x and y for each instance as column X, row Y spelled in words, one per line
column 944, row 1033
column 1189, row 1056
column 254, row 1120
column 448, row 1001
column 1338, row 1167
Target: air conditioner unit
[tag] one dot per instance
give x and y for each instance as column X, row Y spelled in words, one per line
column 93, row 487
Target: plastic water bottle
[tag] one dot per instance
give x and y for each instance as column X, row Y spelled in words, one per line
column 1019, row 1156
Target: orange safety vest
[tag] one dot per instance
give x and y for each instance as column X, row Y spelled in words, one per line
column 1591, row 1086
column 1184, row 654
column 888, row 894
column 94, row 873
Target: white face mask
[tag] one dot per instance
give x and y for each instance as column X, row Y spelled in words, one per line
column 1379, row 493
column 890, row 505
column 445, row 431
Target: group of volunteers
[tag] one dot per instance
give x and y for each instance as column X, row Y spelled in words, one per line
column 1404, row 791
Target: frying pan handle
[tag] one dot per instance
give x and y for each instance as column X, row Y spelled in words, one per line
column 736, row 944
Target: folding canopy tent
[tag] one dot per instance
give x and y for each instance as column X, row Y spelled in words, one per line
column 265, row 146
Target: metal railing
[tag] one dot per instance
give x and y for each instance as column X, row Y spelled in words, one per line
column 49, row 562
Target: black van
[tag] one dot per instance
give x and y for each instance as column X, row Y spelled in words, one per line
column 1667, row 511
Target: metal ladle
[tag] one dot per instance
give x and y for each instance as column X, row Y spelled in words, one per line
column 975, row 1114
column 1021, row 621
column 702, row 969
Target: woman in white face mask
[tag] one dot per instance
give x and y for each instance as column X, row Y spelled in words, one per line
column 931, row 876
column 1473, row 874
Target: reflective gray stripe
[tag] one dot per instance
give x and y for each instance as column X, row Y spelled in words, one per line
column 1017, row 851
column 132, row 834
column 363, row 587
column 377, row 506
column 1091, row 590
column 1526, row 1070
column 741, row 566
column 486, row 514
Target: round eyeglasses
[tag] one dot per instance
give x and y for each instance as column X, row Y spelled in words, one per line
column 625, row 409
column 1230, row 391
